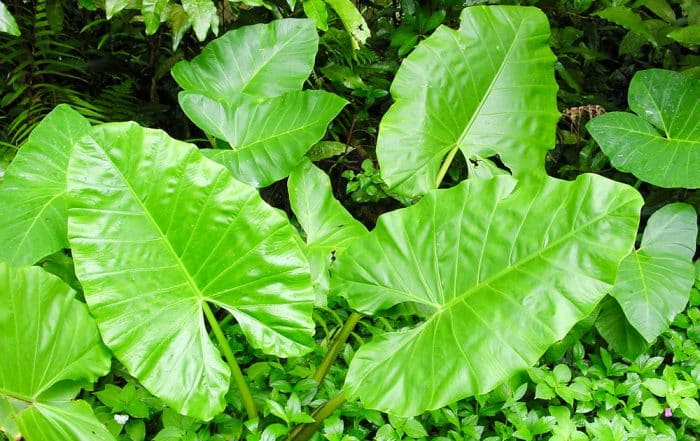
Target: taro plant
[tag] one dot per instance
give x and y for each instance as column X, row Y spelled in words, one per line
column 166, row 241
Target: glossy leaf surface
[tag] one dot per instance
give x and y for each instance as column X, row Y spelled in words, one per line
column 268, row 139
column 50, row 350
column 265, row 60
column 500, row 275
column 7, row 21
column 328, row 226
column 487, row 88
column 661, row 144
column 33, row 195
column 653, row 283
column 156, row 229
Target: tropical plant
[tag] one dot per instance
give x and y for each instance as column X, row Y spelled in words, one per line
column 169, row 246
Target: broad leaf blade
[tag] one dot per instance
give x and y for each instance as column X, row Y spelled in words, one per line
column 501, row 275
column 7, row 21
column 653, row 283
column 33, row 223
column 264, row 60
column 268, row 139
column 329, row 228
column 486, row 89
column 50, row 347
column 661, row 144
column 156, row 229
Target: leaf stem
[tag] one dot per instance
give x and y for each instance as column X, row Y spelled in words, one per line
column 246, row 396
column 445, row 165
column 306, row 431
column 335, row 347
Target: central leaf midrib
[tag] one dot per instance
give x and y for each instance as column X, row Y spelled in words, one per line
column 169, row 246
column 463, row 296
column 489, row 89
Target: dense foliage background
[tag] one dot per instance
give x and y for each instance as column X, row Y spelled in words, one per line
column 118, row 69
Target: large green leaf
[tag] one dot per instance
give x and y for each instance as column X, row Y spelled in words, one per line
column 32, row 197
column 661, row 144
column 653, row 283
column 156, row 229
column 265, row 60
column 268, row 139
column 500, row 274
column 487, row 88
column 7, row 21
column 329, row 228
column 50, row 350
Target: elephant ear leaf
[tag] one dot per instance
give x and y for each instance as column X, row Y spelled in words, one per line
column 158, row 232
column 245, row 88
column 33, row 194
column 653, row 283
column 500, row 275
column 661, row 143
column 264, row 60
column 485, row 89
column 328, row 226
column 37, row 387
column 268, row 138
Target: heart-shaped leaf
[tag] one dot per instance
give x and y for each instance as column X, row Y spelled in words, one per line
column 157, row 230
column 264, row 60
column 487, row 88
column 268, row 139
column 661, row 144
column 50, row 350
column 33, row 195
column 329, row 228
column 653, row 283
column 500, row 274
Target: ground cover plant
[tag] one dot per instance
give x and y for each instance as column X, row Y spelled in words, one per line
column 158, row 289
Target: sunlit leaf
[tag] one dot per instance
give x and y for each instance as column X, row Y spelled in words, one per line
column 7, row 21
column 156, row 229
column 265, row 60
column 500, row 272
column 653, row 282
column 268, row 139
column 487, row 88
column 50, row 350
column 203, row 16
column 33, row 194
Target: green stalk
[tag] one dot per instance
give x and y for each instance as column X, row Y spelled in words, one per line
column 232, row 363
column 335, row 347
column 445, row 165
column 306, row 431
